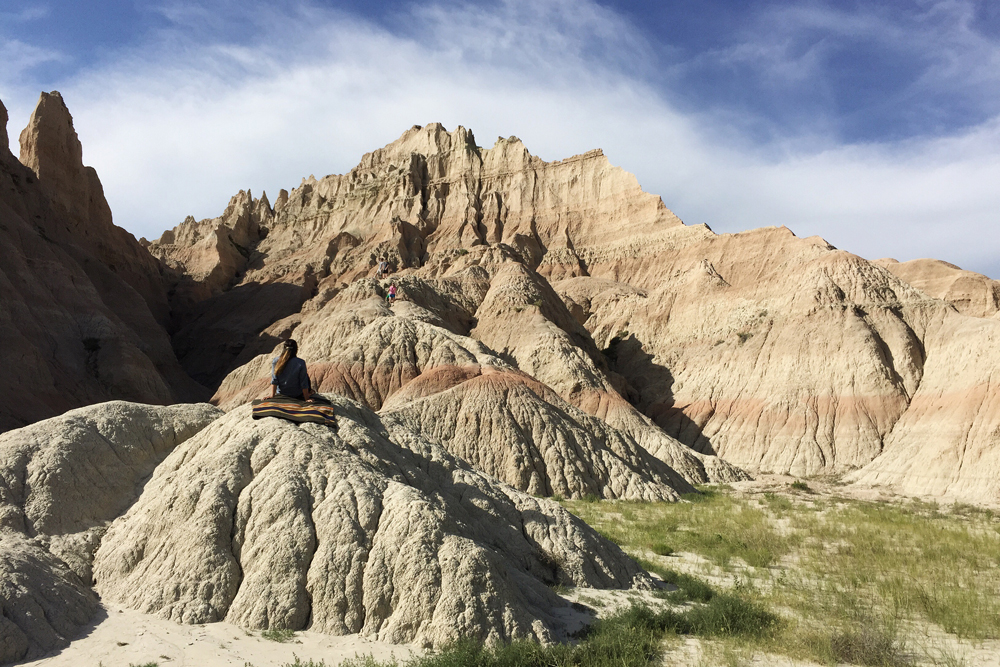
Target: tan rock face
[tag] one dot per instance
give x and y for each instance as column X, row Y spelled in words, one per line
column 775, row 352
column 457, row 393
column 367, row 528
column 78, row 295
column 51, row 149
column 947, row 443
column 971, row 293
column 62, row 481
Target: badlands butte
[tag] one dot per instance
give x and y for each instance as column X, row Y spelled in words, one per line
column 559, row 332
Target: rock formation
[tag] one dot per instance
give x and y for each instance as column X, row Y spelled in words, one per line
column 459, row 394
column 83, row 303
column 774, row 352
column 62, row 481
column 971, row 293
column 464, row 229
column 366, row 528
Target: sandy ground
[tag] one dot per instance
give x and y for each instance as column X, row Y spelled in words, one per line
column 122, row 637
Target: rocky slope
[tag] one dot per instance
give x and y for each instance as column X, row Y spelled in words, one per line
column 774, row 352
column 62, row 481
column 971, row 293
column 83, row 304
column 367, row 528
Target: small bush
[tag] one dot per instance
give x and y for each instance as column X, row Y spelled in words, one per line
column 799, row 485
column 727, row 615
column 661, row 549
column 280, row 635
column 689, row 588
column 591, row 498
column 360, row 661
column 869, row 645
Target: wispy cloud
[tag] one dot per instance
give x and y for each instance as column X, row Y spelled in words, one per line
column 32, row 13
column 19, row 58
column 177, row 126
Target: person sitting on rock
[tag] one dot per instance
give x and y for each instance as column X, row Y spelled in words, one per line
column 288, row 374
column 391, row 297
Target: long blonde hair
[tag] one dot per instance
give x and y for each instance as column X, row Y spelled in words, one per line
column 291, row 348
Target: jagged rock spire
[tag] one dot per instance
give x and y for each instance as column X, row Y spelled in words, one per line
column 51, row 148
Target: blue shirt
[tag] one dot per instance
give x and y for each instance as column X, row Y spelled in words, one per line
column 293, row 379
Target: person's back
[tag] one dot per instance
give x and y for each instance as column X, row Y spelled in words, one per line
column 288, row 374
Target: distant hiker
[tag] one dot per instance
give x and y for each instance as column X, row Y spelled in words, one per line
column 383, row 269
column 391, row 297
column 288, row 373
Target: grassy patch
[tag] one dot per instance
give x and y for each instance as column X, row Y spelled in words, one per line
column 279, row 635
column 365, row 661
column 710, row 523
column 856, row 581
column 631, row 638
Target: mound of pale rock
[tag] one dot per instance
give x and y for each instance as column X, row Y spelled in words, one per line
column 43, row 604
column 367, row 528
column 516, row 429
column 61, row 481
column 971, row 293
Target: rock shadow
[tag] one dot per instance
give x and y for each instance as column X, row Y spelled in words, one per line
column 654, row 383
column 223, row 331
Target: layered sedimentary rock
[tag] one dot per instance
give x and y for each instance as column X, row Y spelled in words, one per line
column 947, row 443
column 463, row 229
column 459, row 394
column 367, row 528
column 83, row 302
column 775, row 352
column 971, row 293
column 62, row 481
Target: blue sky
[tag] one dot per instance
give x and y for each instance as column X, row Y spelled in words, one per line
column 874, row 125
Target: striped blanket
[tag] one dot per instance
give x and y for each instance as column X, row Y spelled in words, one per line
column 295, row 410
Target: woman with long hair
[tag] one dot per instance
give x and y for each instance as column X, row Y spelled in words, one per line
column 288, row 373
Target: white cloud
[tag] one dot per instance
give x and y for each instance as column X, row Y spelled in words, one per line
column 19, row 57
column 179, row 126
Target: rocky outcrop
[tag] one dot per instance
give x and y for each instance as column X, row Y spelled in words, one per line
column 457, row 393
column 80, row 296
column 62, row 481
column 947, row 443
column 971, row 293
column 43, row 604
column 51, row 149
column 367, row 528
column 729, row 359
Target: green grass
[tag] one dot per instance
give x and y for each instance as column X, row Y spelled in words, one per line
column 631, row 638
column 711, row 524
column 855, row 581
column 279, row 635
